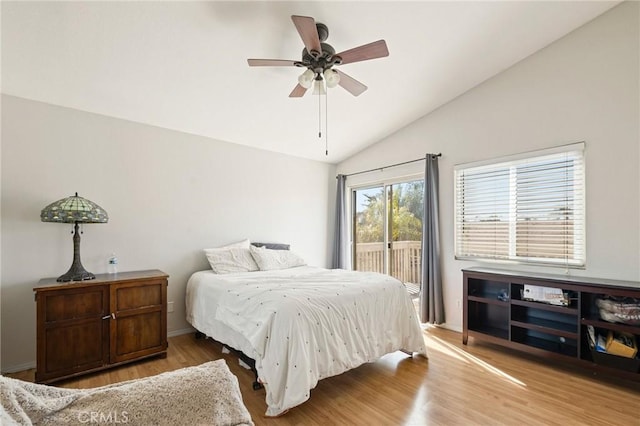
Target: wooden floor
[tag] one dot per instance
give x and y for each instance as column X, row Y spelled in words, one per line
column 478, row 384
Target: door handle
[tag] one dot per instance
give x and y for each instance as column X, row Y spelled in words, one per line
column 111, row 315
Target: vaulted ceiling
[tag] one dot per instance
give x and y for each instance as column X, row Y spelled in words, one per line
column 183, row 65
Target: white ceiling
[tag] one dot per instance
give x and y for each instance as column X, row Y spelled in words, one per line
column 183, row 66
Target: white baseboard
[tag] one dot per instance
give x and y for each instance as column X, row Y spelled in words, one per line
column 19, row 367
column 181, row 332
column 446, row 326
column 456, row 328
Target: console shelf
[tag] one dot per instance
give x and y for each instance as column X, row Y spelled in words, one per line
column 544, row 306
column 598, row 323
column 547, row 326
column 491, row 331
column 494, row 311
column 488, row 301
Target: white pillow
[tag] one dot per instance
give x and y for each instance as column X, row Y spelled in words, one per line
column 226, row 261
column 268, row 260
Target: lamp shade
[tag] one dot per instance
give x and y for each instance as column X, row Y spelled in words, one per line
column 74, row 209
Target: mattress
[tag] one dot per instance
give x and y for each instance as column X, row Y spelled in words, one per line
column 304, row 324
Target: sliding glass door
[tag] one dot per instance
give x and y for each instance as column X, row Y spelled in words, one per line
column 387, row 230
column 369, row 229
column 405, row 232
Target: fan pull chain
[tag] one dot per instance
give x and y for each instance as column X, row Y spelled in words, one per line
column 319, row 117
column 326, row 122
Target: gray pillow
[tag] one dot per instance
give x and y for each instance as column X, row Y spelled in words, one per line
column 272, row 246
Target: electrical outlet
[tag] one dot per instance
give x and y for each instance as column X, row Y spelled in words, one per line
column 170, row 307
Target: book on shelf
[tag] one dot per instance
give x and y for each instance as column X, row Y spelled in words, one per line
column 551, row 295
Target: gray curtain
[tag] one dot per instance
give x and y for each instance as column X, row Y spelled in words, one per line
column 431, row 299
column 341, row 256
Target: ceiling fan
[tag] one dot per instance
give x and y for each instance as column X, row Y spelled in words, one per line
column 319, row 58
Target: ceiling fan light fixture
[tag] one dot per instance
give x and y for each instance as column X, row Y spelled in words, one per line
column 332, row 78
column 306, row 78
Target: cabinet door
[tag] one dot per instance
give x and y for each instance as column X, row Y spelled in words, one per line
column 139, row 327
column 73, row 333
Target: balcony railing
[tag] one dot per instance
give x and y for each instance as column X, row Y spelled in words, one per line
column 405, row 260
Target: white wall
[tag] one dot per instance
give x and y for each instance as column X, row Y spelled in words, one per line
column 582, row 87
column 168, row 195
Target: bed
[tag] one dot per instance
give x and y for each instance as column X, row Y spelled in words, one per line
column 301, row 324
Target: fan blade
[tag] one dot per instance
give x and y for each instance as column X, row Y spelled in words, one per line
column 306, row 27
column 297, row 92
column 350, row 84
column 271, row 63
column 377, row 49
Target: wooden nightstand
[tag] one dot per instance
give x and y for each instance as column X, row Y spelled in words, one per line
column 86, row 326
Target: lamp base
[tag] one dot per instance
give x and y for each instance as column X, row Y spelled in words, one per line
column 76, row 276
column 77, row 271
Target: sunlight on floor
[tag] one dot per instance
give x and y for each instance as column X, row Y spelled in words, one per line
column 437, row 344
column 417, row 413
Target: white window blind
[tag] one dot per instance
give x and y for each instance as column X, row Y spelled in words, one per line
column 527, row 208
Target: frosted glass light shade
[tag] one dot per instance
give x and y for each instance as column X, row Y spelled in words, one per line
column 332, row 77
column 306, row 78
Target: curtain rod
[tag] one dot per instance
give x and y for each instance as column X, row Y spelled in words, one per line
column 392, row 165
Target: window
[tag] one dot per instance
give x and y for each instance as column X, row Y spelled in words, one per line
column 527, row 208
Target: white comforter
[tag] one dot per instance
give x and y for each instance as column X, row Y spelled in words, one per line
column 304, row 324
